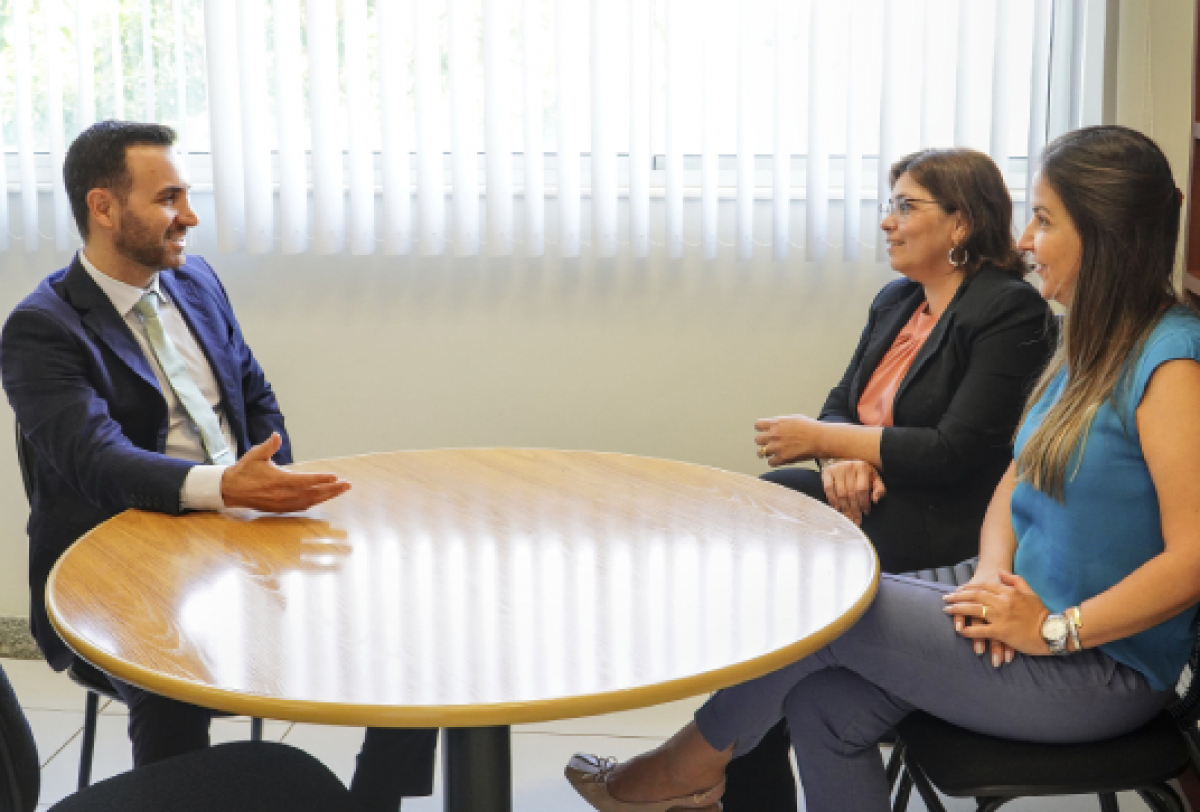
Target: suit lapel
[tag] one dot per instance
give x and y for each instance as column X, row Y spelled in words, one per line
column 889, row 322
column 97, row 313
column 932, row 344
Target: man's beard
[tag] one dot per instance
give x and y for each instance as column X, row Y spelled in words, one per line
column 137, row 241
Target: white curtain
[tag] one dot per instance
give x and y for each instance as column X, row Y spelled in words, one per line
column 502, row 127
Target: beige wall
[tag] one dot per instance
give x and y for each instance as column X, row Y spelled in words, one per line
column 665, row 358
column 1154, row 76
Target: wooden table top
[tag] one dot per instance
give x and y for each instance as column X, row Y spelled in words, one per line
column 459, row 588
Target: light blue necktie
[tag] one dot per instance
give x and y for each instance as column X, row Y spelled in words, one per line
column 181, row 382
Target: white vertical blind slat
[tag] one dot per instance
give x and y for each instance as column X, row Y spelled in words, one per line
column 852, row 182
column 709, row 159
column 567, row 48
column 118, row 60
column 604, row 157
column 325, row 119
column 180, row 56
column 256, row 148
column 465, row 158
column 393, row 108
column 224, row 113
column 54, row 121
column 1039, row 95
column 887, row 134
column 640, row 17
column 497, row 83
column 25, row 144
column 781, row 162
column 745, row 151
column 674, row 127
column 4, row 224
column 820, row 121
column 929, row 63
column 973, row 89
column 360, row 128
column 533, row 155
column 998, row 146
column 85, row 53
column 290, row 128
column 427, row 95
column 149, row 107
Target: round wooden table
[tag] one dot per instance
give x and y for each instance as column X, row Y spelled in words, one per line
column 471, row 590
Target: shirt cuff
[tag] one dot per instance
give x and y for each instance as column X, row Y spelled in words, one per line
column 202, row 488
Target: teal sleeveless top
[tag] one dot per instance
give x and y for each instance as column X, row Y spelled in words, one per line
column 1108, row 524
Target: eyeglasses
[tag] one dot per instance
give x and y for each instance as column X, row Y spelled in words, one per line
column 902, row 207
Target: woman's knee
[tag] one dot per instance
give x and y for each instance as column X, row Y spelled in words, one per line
column 837, row 710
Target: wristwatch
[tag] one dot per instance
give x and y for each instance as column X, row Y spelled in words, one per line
column 1056, row 631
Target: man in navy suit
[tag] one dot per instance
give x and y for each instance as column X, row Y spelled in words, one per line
column 132, row 382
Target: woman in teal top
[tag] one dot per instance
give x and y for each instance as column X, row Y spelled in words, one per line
column 1107, row 525
column 1082, row 612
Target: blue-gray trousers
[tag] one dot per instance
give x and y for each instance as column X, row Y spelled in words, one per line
column 904, row 655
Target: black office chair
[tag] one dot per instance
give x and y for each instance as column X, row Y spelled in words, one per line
column 932, row 753
column 238, row 777
column 82, row 673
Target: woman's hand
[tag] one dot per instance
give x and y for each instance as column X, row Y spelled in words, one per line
column 791, row 438
column 852, row 486
column 1008, row 613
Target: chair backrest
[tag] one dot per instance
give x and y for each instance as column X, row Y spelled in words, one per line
column 25, row 457
column 1185, row 709
column 20, row 781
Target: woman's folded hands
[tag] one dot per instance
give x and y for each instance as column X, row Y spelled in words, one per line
column 1000, row 612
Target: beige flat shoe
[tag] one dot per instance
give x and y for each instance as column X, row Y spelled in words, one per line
column 589, row 775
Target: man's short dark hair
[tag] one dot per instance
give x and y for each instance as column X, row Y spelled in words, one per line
column 96, row 160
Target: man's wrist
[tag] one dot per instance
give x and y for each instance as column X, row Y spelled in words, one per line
column 202, row 488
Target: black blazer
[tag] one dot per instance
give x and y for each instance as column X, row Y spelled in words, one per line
column 957, row 409
column 89, row 404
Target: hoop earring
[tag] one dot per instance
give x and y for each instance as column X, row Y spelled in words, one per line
column 966, row 257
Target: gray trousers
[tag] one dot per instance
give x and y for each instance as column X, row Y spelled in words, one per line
column 904, row 655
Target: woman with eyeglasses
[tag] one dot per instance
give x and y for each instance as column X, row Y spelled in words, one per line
column 913, row 440
column 1089, row 571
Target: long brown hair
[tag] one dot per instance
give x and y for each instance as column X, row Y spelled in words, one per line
column 1117, row 188
column 967, row 181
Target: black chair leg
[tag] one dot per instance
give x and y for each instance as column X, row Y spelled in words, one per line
column 256, row 730
column 924, row 788
column 990, row 804
column 91, row 710
column 895, row 763
column 1161, row 798
column 903, row 791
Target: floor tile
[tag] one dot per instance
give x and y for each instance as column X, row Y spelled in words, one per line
column 52, row 730
column 39, row 687
column 660, row 721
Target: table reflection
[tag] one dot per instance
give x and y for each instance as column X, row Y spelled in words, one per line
column 469, row 578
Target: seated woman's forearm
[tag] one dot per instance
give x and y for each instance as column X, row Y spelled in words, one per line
column 847, row 441
column 1158, row 590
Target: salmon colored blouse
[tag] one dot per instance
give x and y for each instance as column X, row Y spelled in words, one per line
column 875, row 405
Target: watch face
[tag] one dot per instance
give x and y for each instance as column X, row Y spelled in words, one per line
column 1054, row 628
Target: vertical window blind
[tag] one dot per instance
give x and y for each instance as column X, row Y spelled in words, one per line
column 495, row 127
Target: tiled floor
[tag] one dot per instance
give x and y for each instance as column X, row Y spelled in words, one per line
column 55, row 710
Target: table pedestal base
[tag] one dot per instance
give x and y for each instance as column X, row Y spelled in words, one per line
column 477, row 769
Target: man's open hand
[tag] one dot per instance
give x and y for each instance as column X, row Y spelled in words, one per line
column 257, row 483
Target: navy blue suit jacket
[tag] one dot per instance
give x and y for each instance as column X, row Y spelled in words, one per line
column 88, row 402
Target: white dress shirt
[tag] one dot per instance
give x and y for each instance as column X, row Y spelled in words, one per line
column 202, row 486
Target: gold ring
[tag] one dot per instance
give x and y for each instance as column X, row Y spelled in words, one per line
column 983, row 615
column 762, row 452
